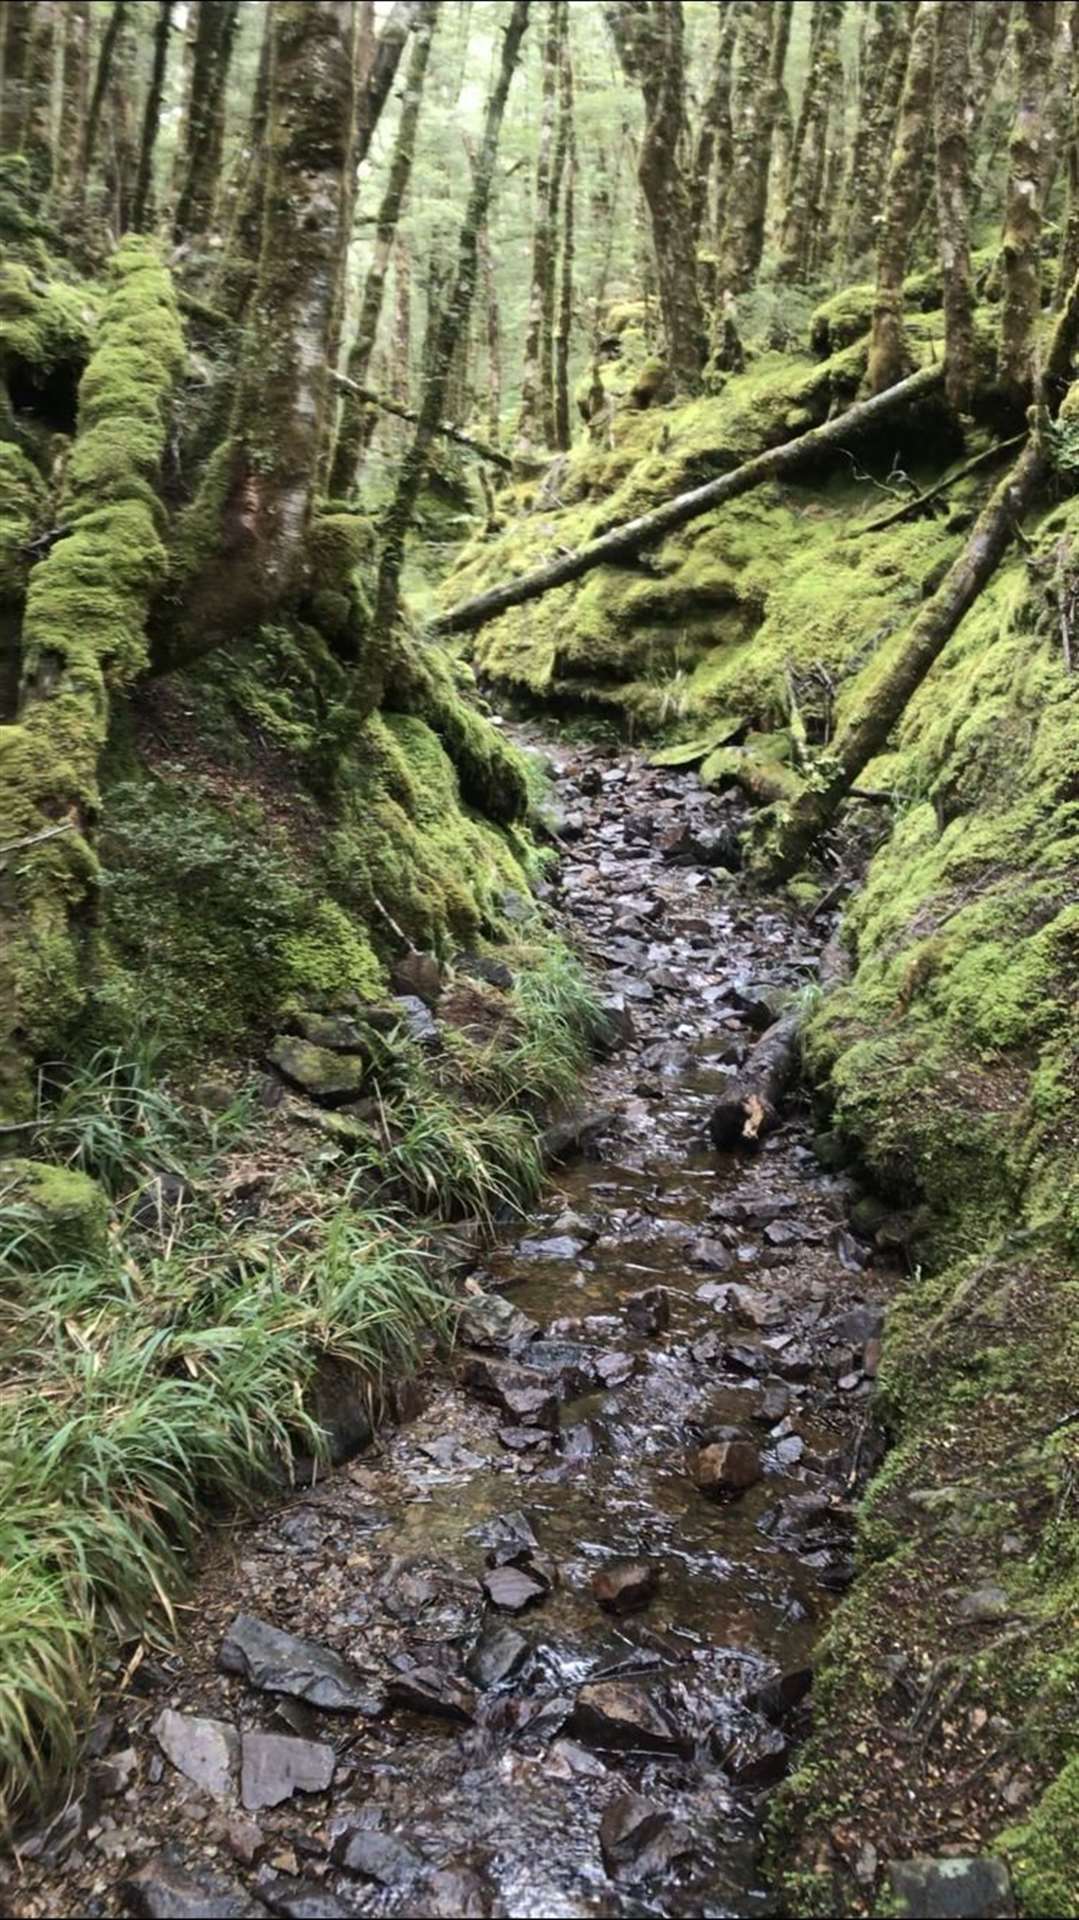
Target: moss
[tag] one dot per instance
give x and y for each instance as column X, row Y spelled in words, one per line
column 1043, row 1853
column 332, row 955
column 54, row 1214
column 22, row 500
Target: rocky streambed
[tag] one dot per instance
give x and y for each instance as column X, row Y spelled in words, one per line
column 546, row 1646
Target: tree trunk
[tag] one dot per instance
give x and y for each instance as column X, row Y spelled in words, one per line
column 121, row 157
column 1020, row 303
column 74, row 93
column 206, row 117
column 714, row 155
column 37, row 134
column 953, row 116
column 375, row 86
column 1069, row 246
column 240, row 264
column 531, row 418
column 493, row 332
column 649, row 40
column 650, row 527
column 762, row 58
column 142, row 211
column 258, row 490
column 551, row 287
column 445, row 428
column 804, row 210
column 351, row 437
column 102, row 77
column 888, row 356
column 18, row 35
column 447, row 328
column 887, row 45
column 402, row 322
column 562, row 431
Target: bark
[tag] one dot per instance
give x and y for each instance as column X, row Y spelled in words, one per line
column 493, row 329
column 752, row 1101
column 1069, row 246
column 564, row 329
column 402, row 321
column 74, row 92
column 142, row 210
column 954, row 114
column 887, row 348
column 552, row 283
column 102, row 77
column 351, row 436
column 805, row 211
column 629, row 538
column 379, row 78
column 887, row 45
column 878, row 710
column 258, row 493
column 37, row 131
column 447, row 328
column 121, row 157
column 240, row 265
column 18, row 33
column 649, row 41
column 206, row 118
column 1020, row 303
column 531, row 419
column 762, row 58
column 714, row 155
column 445, row 428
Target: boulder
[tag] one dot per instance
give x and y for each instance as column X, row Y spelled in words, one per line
column 338, row 1032
column 66, row 1214
column 639, row 1839
column 498, row 1654
column 973, row 1887
column 728, row 1467
column 622, row 1715
column 625, row 1585
column 333, row 1079
column 419, row 976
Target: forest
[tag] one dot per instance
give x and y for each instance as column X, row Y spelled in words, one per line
column 539, row 958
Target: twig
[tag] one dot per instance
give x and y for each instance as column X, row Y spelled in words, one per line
column 922, row 499
column 34, row 839
column 374, row 399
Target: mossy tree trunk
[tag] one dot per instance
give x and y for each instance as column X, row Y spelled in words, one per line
column 240, row 264
column 401, row 356
column 762, row 58
column 805, row 211
column 887, row 43
column 531, row 418
column 714, row 153
column 1020, row 302
column 1069, row 246
column 18, row 35
column 206, row 117
column 448, row 324
column 649, row 37
column 564, row 325
column 551, row 288
column 493, row 333
column 954, row 113
column 74, row 93
column 142, row 209
column 902, row 200
column 353, row 433
column 102, row 76
column 38, row 138
column 121, row 147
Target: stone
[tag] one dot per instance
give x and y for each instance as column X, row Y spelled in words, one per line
column 711, row 1254
column 481, row 966
column 560, row 1246
column 302, row 1900
column 498, row 1654
column 749, row 1308
column 164, row 1890
column 244, row 1839
column 625, row 1585
column 568, row 1366
column 337, row 1031
column 67, row 1213
column 971, row 1887
column 614, row 1369
column 623, row 1716
column 575, row 1133
column 512, row 1589
column 431, row 1690
column 728, row 1467
column 417, row 976
column 985, row 1606
column 418, row 1021
column 777, row 1697
column 581, row 1441
column 115, row 1773
column 330, row 1078
column 751, row 1751
column 206, row 1752
column 789, row 1450
column 278, row 1662
column 639, row 1839
column 377, row 1856
column 523, row 1396
column 491, row 1322
column 277, row 1765
column 648, row 1311
column 454, row 1893
column 524, row 1439
column 615, row 1025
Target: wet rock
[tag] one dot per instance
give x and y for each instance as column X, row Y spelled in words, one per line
column 430, row 1690
column 985, row 1606
column 778, row 1697
column 481, row 966
column 302, row 1900
column 728, row 1467
column 749, row 1308
column 971, row 1888
column 498, row 1654
column 454, row 1893
column 639, row 1839
column 417, row 976
column 615, row 1025
column 760, row 1006
column 711, row 1254
column 165, row 1890
column 569, row 1366
column 752, row 1752
column 524, row 1439
column 524, row 1397
column 330, row 1078
column 560, row 1246
column 206, row 1752
column 623, row 1716
column 278, row 1662
column 581, row 1441
column 339, row 1032
column 508, row 1537
column 419, row 1022
column 744, row 1359
column 614, row 1369
column 512, row 1589
column 377, row 1856
column 574, row 1134
column 276, row 1765
column 649, row 1311
column 625, row 1585
column 858, row 1325
column 488, row 1320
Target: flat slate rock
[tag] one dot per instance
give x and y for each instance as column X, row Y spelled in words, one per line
column 639, row 1839
column 972, row 1888
column 624, row 1586
column 206, row 1752
column 430, row 1690
column 164, row 1890
column 512, row 1589
column 489, row 1321
column 623, row 1716
column 377, row 1856
column 330, row 1078
column 277, row 1765
column 278, row 1662
column 497, row 1655
column 302, row 1900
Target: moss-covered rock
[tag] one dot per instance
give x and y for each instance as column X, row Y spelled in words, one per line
column 53, row 1214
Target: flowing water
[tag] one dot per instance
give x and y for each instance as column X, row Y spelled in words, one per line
column 562, row 1758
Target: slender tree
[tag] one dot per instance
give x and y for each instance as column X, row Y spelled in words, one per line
column 74, row 92
column 954, row 112
column 401, row 358
column 887, row 347
column 206, row 117
column 102, row 76
column 240, row 263
column 121, row 147
column 1069, row 247
column 564, row 326
column 805, row 209
column 531, row 419
column 493, row 332
column 142, row 207
column 18, row 36
column 37, row 136
column 762, row 58
column 1021, row 274
column 887, row 43
column 713, row 158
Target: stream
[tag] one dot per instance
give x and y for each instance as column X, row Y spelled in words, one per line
column 555, row 1627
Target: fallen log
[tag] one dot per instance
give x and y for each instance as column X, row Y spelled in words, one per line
column 648, row 527
column 750, row 1107
column 373, row 399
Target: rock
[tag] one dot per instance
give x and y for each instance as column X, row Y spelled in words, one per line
column 377, row 1856
column 581, row 1441
column 161, row 1200
column 728, row 1467
column 431, row 1690
column 454, row 1893
column 789, row 1450
column 488, row 1320
column 649, row 1311
column 711, row 1254
column 615, row 1025
column 625, row 1585
column 774, row 1404
column 623, row 1716
column 512, row 1589
column 752, row 1309
column 524, row 1439
column 560, row 1246
column 568, row 1366
column 525, row 1397
column 751, row 1751
column 510, row 1538
column 276, row 1765
column 337, row 1031
column 614, row 1369
column 639, row 1839
column 778, row 1697
column 858, row 1325
column 985, row 1606
column 244, row 1839
column 498, row 1654
column 165, row 1890
column 278, row 1662
column 302, row 1900
column 330, row 1078
column 116, row 1773
column 418, row 1021
column 67, row 1213
column 744, row 1359
column 574, row 1134
column 417, row 976
column 206, row 1752
column 970, row 1888
column 481, row 966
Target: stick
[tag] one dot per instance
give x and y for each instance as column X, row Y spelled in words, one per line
column 406, row 413
column 750, row 1107
column 920, row 500
column 35, row 839
column 649, row 527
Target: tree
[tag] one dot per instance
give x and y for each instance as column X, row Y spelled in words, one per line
column 206, row 118
column 954, row 112
column 714, row 154
column 142, row 206
column 74, row 93
column 564, row 325
column 805, row 209
column 533, row 418
column 883, row 65
column 239, row 265
column 18, row 36
column 1020, row 302
column 37, row 137
column 887, row 348
column 762, row 56
column 102, row 76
